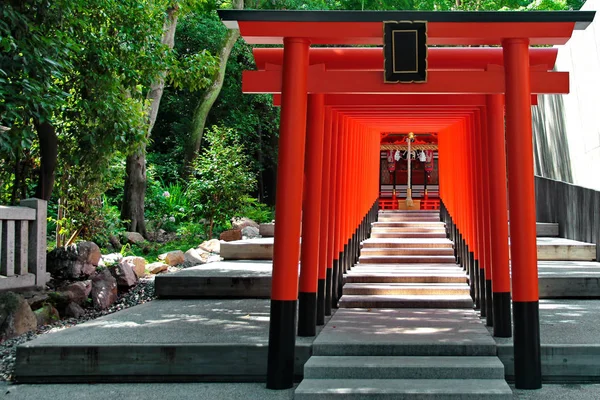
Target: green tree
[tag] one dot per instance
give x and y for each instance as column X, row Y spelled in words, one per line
column 193, row 71
column 221, row 178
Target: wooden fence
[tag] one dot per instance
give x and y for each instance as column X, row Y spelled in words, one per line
column 23, row 245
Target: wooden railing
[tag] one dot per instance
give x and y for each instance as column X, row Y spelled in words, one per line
column 425, row 204
column 23, row 245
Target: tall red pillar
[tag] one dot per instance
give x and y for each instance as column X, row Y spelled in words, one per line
column 498, row 215
column 288, row 208
column 311, row 215
column 521, row 196
column 325, row 239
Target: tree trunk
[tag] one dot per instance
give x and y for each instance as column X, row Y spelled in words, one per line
column 135, row 191
column 211, row 94
column 48, row 159
column 132, row 209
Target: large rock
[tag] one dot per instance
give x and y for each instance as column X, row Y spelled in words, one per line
column 241, row 223
column 267, row 230
column 133, row 237
column 124, row 275
column 104, row 290
column 250, row 232
column 231, row 235
column 46, row 315
column 77, row 292
column 172, row 258
column 157, row 267
column 138, row 264
column 196, row 256
column 75, row 261
column 74, row 310
column 211, row 246
column 16, row 316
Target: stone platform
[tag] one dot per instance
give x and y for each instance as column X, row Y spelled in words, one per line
column 160, row 341
column 252, row 279
column 225, row 279
column 570, row 342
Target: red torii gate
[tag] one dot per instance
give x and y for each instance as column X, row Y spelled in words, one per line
column 342, row 143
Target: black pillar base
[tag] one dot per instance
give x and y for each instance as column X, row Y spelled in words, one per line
column 482, row 302
column 502, row 320
column 282, row 344
column 328, row 291
column 489, row 303
column 307, row 314
column 334, row 283
column 528, row 365
column 475, row 268
column 321, row 302
column 342, row 270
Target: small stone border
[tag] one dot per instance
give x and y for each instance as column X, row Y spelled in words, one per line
column 143, row 292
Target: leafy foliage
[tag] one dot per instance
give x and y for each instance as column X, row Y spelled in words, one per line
column 221, row 178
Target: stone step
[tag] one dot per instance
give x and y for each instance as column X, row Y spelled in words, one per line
column 559, row 249
column 407, row 251
column 406, row 242
column 407, row 367
column 442, row 289
column 409, row 224
column 422, row 389
column 414, row 277
column 409, row 234
column 406, row 259
column 408, row 229
column 547, row 229
column 405, row 301
column 569, row 279
column 250, row 249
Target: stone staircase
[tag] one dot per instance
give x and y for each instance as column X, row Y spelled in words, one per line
column 406, row 328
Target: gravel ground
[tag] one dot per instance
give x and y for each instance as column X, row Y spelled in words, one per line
column 141, row 293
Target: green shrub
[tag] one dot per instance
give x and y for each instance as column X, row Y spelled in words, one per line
column 221, row 178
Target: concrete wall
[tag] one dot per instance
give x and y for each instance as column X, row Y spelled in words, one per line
column 567, row 127
column 575, row 208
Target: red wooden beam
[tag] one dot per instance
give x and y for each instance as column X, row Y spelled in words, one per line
column 371, row 58
column 440, row 82
column 377, row 100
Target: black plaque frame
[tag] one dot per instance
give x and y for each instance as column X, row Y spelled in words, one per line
column 405, row 51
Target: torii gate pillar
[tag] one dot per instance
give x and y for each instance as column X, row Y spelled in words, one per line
column 288, row 206
column 521, row 196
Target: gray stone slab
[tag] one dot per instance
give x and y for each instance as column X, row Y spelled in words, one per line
column 146, row 391
column 464, row 389
column 404, row 332
column 407, row 242
column 570, row 339
column 225, row 279
column 400, row 251
column 366, row 259
column 368, row 367
column 248, row 249
column 551, row 248
column 570, row 391
column 163, row 340
column 547, row 229
column 406, row 301
column 569, row 279
column 445, row 289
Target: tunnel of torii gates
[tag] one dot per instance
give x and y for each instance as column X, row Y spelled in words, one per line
column 334, row 107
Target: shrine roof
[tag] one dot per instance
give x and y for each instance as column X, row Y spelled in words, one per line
column 444, row 27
